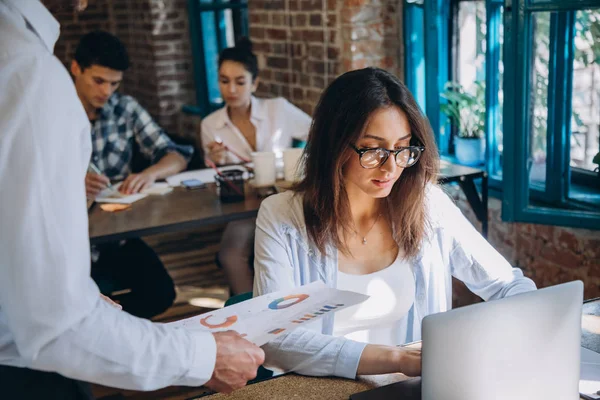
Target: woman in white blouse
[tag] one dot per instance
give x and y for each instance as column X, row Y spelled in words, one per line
column 369, row 217
column 229, row 135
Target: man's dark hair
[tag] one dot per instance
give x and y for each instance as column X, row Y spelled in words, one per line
column 103, row 49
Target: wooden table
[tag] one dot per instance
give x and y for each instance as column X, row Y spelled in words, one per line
column 183, row 209
column 179, row 210
column 292, row 386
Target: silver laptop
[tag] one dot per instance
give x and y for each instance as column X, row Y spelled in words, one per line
column 521, row 347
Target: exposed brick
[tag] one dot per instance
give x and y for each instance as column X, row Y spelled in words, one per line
column 294, row 5
column 298, row 50
column 279, row 49
column 254, row 18
column 318, row 82
column 258, row 33
column 298, row 94
column 333, row 53
column 299, row 20
column 316, row 20
column 278, row 62
column 313, row 35
column 275, row 89
column 312, row 5
column 316, row 52
column 316, row 67
column 331, row 20
column 276, row 34
column 278, row 20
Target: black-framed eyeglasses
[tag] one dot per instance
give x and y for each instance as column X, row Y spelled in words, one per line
column 375, row 157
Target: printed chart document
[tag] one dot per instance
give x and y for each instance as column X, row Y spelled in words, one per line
column 261, row 319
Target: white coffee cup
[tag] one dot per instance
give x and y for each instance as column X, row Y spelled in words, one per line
column 291, row 164
column 264, row 168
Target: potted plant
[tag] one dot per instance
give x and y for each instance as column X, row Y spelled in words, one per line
column 466, row 111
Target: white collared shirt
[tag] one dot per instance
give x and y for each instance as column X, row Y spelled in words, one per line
column 277, row 121
column 51, row 314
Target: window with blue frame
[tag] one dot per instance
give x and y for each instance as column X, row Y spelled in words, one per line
column 551, row 82
column 457, row 43
column 539, row 64
column 214, row 26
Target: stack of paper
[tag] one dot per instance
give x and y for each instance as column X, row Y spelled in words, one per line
column 160, row 188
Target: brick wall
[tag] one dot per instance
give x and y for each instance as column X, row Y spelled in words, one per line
column 547, row 254
column 156, row 34
column 298, row 47
column 304, row 44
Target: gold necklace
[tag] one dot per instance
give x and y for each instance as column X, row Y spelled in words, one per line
column 364, row 238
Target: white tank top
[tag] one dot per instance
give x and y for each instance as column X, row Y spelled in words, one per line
column 374, row 321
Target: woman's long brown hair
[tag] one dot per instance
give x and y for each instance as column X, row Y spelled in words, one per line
column 339, row 121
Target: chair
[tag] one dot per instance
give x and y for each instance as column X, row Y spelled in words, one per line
column 262, row 372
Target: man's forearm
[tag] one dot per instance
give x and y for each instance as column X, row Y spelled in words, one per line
column 112, row 348
column 170, row 164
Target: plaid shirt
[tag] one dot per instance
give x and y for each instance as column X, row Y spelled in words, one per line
column 121, row 121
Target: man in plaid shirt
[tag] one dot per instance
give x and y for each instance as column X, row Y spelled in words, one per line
column 121, row 130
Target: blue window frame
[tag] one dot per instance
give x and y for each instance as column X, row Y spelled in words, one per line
column 214, row 26
column 426, row 64
column 538, row 175
column 529, row 142
column 431, row 61
column 494, row 95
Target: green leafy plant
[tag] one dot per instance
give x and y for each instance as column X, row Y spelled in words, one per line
column 466, row 110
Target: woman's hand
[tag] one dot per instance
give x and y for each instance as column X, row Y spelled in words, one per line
column 217, row 152
column 409, row 362
column 378, row 359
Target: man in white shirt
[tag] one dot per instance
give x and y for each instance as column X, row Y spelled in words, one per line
column 54, row 327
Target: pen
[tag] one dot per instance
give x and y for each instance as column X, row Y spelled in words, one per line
column 96, row 170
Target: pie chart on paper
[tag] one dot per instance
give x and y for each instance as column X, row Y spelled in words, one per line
column 227, row 322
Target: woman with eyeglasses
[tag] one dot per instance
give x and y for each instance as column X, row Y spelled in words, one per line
column 369, row 217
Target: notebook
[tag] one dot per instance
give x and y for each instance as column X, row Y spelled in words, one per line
column 112, row 194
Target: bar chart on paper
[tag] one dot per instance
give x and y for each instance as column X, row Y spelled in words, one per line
column 263, row 318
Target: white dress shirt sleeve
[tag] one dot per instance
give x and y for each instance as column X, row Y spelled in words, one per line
column 49, row 306
column 472, row 259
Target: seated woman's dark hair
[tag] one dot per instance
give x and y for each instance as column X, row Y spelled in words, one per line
column 241, row 53
column 339, row 120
